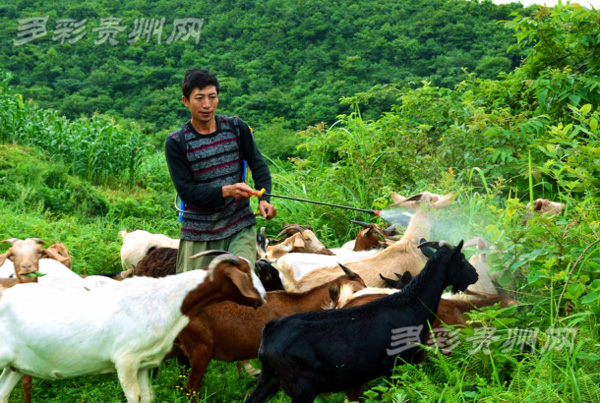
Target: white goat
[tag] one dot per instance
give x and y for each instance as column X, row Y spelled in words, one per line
column 7, row 269
column 128, row 327
column 400, row 257
column 296, row 265
column 136, row 245
column 366, row 244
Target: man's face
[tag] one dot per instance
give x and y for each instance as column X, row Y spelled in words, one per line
column 202, row 103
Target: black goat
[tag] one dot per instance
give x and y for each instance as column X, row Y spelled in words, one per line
column 268, row 275
column 330, row 351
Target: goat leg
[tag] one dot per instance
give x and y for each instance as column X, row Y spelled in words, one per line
column 267, row 385
column 200, row 357
column 26, row 385
column 8, row 380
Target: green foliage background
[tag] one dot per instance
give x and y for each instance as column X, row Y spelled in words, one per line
column 499, row 141
column 276, row 59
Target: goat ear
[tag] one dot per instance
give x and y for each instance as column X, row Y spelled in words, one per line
column 397, row 199
column 406, row 277
column 388, row 281
column 10, row 241
column 52, row 254
column 349, row 273
column 444, row 201
column 242, row 282
column 3, row 258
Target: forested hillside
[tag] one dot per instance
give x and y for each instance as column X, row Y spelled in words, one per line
column 283, row 64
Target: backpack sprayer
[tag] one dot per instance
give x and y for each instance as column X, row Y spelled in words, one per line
column 263, row 192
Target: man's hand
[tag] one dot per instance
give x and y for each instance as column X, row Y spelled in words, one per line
column 267, row 210
column 239, row 191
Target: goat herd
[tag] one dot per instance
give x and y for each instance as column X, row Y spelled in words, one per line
column 320, row 320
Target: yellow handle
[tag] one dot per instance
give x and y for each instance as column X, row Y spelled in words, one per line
column 259, row 192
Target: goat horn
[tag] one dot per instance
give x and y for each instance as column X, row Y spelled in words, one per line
column 291, row 230
column 11, row 240
column 209, row 252
column 388, row 281
column 436, row 245
column 414, row 197
column 226, row 258
column 348, row 272
column 361, row 223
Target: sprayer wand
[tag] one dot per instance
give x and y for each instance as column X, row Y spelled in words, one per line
column 263, row 192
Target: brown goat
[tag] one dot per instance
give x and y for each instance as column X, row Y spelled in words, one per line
column 159, row 262
column 403, row 255
column 60, row 253
column 226, row 331
column 370, row 237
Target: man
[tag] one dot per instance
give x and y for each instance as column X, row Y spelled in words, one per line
column 205, row 162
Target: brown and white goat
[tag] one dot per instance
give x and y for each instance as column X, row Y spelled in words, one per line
column 303, row 241
column 545, row 206
column 25, row 256
column 402, row 256
column 226, row 331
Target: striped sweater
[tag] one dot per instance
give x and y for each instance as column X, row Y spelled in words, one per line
column 209, row 163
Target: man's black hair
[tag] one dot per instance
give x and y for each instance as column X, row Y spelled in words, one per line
column 197, row 78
